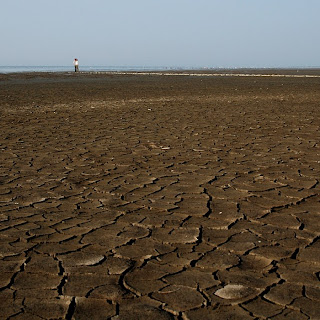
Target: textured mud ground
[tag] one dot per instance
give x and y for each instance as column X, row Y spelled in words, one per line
column 154, row 197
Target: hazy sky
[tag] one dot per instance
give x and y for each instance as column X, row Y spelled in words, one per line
column 186, row 33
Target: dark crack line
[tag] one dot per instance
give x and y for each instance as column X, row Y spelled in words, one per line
column 68, row 239
column 72, row 251
column 16, row 314
column 123, row 283
column 22, row 267
column 71, row 309
column 232, row 224
column 246, row 310
column 209, row 202
column 61, row 285
column 91, row 290
column 313, row 241
column 61, row 269
column 295, row 253
column 95, row 229
column 314, row 186
column 175, row 314
column 199, row 239
column 304, row 291
column 171, row 274
column 117, row 309
column 205, row 296
column 195, row 261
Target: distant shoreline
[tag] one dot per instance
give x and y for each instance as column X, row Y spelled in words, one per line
column 312, row 71
column 217, row 74
column 245, row 72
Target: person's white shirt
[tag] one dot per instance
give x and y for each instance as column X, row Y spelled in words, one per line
column 76, row 62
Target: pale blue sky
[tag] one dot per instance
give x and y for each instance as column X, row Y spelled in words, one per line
column 186, row 33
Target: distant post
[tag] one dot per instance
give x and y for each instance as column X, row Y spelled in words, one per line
column 76, row 65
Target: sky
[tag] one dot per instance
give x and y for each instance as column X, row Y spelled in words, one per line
column 171, row 33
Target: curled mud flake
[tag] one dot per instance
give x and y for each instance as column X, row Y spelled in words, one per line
column 234, row 291
column 82, row 259
column 179, row 298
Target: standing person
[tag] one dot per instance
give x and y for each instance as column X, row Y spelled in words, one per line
column 76, row 65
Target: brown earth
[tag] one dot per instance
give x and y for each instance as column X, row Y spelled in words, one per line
column 159, row 197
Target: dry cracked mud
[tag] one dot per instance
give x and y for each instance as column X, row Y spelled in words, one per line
column 159, row 197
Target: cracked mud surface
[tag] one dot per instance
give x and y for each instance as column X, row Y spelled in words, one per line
column 149, row 197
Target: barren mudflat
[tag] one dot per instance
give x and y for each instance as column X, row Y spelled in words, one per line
column 159, row 197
